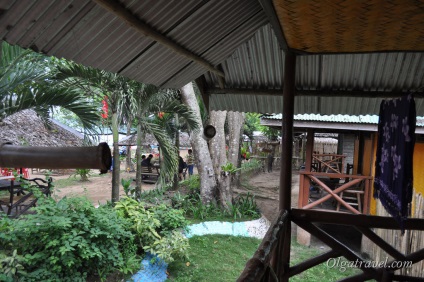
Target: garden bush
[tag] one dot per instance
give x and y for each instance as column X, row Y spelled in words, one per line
column 69, row 240
column 155, row 228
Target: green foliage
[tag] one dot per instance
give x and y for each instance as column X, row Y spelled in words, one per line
column 156, row 228
column 230, row 168
column 252, row 123
column 154, row 196
column 70, row 239
column 244, row 153
column 251, row 165
column 169, row 218
column 128, row 189
column 11, row 266
column 245, row 206
column 242, row 207
column 83, row 173
column 271, row 133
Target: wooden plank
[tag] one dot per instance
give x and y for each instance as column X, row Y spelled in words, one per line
column 381, row 243
column 362, row 220
column 335, row 175
column 335, row 245
column 298, row 268
column 333, row 194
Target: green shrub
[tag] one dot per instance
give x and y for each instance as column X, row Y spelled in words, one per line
column 244, row 206
column 83, row 173
column 70, row 239
column 155, row 228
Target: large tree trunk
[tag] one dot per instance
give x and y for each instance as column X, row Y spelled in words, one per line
column 219, row 157
column 200, row 149
column 235, row 122
column 116, row 160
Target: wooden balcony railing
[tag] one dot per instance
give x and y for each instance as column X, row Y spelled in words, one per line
column 325, row 183
column 328, row 162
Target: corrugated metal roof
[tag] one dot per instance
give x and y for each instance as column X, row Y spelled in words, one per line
column 232, row 34
column 258, row 63
column 84, row 32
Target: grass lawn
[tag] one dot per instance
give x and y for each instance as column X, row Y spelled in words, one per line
column 222, row 258
column 214, row 258
column 320, row 272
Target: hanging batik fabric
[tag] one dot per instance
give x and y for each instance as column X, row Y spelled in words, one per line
column 395, row 149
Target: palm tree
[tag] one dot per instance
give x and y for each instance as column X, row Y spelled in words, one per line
column 123, row 93
column 150, row 100
column 26, row 83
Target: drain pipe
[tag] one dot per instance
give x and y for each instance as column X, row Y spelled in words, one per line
column 94, row 157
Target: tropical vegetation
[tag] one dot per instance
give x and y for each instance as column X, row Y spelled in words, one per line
column 26, row 82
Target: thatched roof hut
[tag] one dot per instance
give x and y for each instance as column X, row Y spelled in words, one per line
column 26, row 128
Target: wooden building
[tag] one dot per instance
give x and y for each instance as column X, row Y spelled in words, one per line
column 264, row 56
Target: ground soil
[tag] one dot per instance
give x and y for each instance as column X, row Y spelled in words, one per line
column 98, row 188
column 263, row 185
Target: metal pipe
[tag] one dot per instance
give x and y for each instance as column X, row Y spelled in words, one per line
column 94, row 157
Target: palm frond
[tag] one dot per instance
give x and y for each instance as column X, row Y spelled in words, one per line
column 169, row 153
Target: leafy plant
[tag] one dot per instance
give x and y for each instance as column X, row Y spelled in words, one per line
column 12, row 267
column 170, row 218
column 70, row 239
column 83, row 173
column 155, row 228
column 230, row 168
column 128, row 189
column 245, row 206
column 169, row 247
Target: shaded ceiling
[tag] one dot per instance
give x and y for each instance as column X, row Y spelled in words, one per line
column 351, row 54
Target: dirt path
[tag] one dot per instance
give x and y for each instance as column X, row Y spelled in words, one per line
column 265, row 187
column 98, row 189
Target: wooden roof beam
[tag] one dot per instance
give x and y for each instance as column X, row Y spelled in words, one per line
column 317, row 93
column 269, row 10
column 118, row 10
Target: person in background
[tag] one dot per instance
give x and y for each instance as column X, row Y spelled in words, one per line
column 146, row 161
column 181, row 166
column 270, row 160
column 190, row 162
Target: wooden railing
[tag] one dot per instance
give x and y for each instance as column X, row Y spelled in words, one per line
column 322, row 181
column 328, row 162
column 261, row 267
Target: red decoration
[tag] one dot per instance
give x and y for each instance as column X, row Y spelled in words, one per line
column 160, row 115
column 104, row 107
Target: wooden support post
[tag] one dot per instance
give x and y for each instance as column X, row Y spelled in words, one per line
column 282, row 257
column 308, row 166
column 304, row 237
